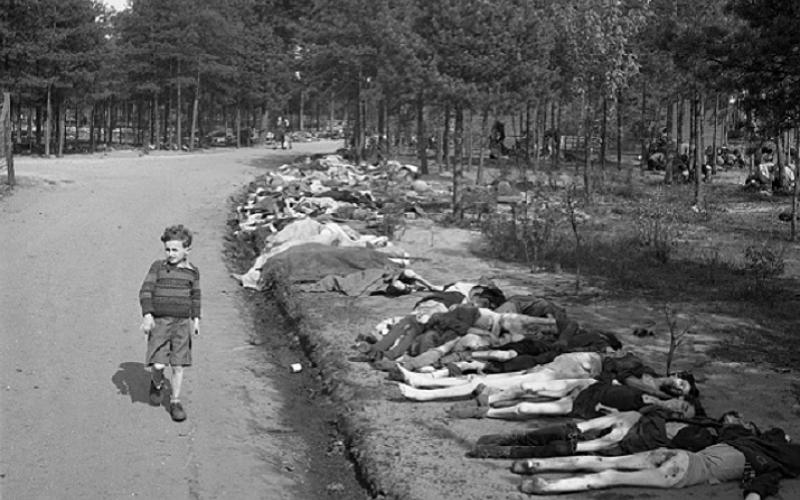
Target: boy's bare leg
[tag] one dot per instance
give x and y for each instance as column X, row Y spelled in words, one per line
column 637, row 461
column 664, row 475
column 176, row 382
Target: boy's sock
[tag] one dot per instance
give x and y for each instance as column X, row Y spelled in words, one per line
column 157, row 376
column 156, row 382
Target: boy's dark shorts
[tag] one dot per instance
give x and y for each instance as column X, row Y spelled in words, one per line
column 170, row 342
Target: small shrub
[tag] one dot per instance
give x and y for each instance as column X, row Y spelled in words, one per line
column 393, row 223
column 530, row 238
column 655, row 223
column 764, row 262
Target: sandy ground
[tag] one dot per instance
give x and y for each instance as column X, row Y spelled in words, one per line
column 412, row 450
column 76, row 239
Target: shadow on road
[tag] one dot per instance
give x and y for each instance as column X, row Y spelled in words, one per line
column 131, row 379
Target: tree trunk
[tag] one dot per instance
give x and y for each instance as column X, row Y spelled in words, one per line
column 697, row 153
column 693, row 130
column 167, row 111
column 139, row 122
column 643, row 131
column 61, row 115
column 358, row 123
column 619, row 130
column 796, row 181
column 679, row 130
column 458, row 141
column 558, row 135
column 48, row 122
column 470, row 139
column 111, row 120
column 385, row 139
column 603, row 137
column 332, row 110
column 301, row 122
column 482, row 145
column 714, row 136
column 39, row 127
column 527, row 138
column 668, row 174
column 443, row 153
column 155, row 136
column 92, row 118
column 179, row 110
column 6, row 144
column 587, row 161
column 238, row 125
column 701, row 134
column 421, row 139
column 30, row 130
column 195, row 108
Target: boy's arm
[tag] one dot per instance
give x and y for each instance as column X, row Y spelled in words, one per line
column 195, row 295
column 146, row 291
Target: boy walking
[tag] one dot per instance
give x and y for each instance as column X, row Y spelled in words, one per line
column 170, row 300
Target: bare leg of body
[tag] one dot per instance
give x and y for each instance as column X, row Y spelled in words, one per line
column 657, row 469
column 528, row 410
column 554, row 389
column 417, row 394
column 424, row 380
column 494, row 355
column 637, row 461
column 620, row 424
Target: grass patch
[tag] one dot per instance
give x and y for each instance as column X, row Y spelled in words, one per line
column 644, row 239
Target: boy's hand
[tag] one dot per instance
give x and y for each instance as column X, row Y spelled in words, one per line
column 147, row 324
column 196, row 326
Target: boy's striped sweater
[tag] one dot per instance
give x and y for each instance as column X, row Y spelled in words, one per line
column 170, row 290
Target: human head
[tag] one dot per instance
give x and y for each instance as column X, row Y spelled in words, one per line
column 177, row 243
column 681, row 384
column 683, row 408
column 733, row 417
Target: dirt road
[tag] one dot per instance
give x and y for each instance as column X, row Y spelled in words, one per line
column 76, row 239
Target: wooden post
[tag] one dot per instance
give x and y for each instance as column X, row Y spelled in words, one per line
column 6, row 147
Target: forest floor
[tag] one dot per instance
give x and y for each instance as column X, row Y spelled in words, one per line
column 77, row 235
column 742, row 347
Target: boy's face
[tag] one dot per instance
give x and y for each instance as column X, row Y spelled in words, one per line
column 176, row 252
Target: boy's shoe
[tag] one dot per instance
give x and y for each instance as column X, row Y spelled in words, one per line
column 176, row 411
column 155, row 394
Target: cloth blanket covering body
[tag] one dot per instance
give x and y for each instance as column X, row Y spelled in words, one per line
column 310, row 262
column 305, row 231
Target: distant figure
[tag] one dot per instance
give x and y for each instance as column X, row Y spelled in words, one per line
column 286, row 143
column 497, row 138
column 170, row 301
column 280, row 132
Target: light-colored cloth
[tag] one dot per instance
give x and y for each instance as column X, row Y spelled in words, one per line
column 713, row 465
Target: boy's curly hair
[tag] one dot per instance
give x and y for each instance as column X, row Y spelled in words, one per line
column 179, row 233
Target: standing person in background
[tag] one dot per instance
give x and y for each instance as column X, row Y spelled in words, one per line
column 280, row 132
column 170, row 301
column 287, row 136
